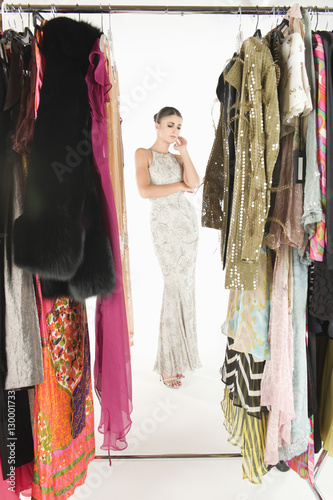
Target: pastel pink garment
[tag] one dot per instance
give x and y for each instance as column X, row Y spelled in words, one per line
column 277, row 380
column 23, row 481
column 112, row 370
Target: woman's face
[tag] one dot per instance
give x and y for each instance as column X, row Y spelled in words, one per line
column 169, row 128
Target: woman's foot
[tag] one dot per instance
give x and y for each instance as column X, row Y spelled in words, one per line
column 179, row 376
column 171, row 381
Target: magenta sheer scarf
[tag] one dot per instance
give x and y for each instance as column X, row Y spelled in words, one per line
column 112, row 370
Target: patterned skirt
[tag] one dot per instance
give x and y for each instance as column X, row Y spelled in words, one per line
column 64, row 417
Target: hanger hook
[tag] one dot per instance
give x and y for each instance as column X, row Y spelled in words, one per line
column 29, row 14
column 317, row 14
column 6, row 11
column 53, row 10
column 77, row 9
column 273, row 16
column 327, row 12
column 110, row 31
column 20, row 12
column 13, row 12
column 240, row 17
column 257, row 17
column 101, row 8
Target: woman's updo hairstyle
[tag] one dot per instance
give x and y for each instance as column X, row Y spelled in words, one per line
column 167, row 111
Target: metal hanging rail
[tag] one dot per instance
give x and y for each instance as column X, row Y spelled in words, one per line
column 9, row 9
column 153, row 9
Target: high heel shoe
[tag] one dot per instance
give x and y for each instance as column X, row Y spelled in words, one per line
column 171, row 382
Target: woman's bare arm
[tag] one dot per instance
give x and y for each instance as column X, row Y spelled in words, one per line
column 146, row 189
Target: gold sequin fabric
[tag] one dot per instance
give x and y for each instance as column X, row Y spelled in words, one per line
column 257, row 135
column 215, row 197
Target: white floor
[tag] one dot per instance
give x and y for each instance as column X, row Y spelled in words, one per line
column 193, row 479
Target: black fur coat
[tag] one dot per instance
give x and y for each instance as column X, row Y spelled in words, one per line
column 60, row 234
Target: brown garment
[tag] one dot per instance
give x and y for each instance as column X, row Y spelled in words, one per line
column 286, row 216
column 25, row 127
column 116, row 167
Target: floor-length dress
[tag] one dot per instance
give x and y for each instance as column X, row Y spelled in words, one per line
column 175, row 236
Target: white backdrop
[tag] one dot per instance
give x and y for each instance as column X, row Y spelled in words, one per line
column 173, row 60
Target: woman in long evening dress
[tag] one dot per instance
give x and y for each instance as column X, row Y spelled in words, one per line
column 164, row 178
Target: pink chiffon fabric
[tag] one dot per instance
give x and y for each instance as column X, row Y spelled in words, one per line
column 277, row 380
column 112, row 370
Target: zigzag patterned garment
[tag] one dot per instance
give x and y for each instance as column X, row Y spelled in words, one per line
column 242, row 375
column 245, row 420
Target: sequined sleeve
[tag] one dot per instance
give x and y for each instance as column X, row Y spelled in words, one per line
column 216, row 181
column 264, row 139
column 257, row 145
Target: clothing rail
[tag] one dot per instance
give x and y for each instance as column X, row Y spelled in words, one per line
column 154, row 9
column 8, row 9
column 317, row 469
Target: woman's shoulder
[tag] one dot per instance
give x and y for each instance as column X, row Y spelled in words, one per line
column 143, row 151
column 143, row 155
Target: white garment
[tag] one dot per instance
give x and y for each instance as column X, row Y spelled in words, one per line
column 294, row 89
column 175, row 236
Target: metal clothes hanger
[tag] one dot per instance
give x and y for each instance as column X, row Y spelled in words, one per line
column 239, row 37
column 53, row 10
column 316, row 9
column 77, row 8
column 274, row 20
column 327, row 12
column 257, row 33
column 10, row 34
column 100, row 6
column 37, row 19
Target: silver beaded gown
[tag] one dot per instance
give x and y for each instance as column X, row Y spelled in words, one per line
column 175, row 237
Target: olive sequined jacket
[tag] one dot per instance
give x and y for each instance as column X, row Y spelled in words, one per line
column 257, row 132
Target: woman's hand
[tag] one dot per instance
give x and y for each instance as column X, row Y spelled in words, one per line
column 190, row 175
column 180, row 144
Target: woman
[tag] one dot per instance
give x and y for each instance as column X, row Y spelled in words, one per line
column 164, row 178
